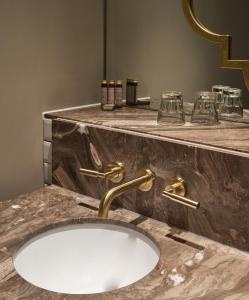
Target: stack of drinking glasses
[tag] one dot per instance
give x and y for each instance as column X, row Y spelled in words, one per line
column 223, row 102
column 229, row 103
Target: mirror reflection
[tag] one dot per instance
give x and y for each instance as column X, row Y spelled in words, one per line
column 151, row 40
column 227, row 17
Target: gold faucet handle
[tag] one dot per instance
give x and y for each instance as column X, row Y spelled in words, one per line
column 176, row 192
column 114, row 172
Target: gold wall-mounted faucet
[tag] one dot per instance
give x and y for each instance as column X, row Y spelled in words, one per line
column 114, row 172
column 176, row 192
column 144, row 183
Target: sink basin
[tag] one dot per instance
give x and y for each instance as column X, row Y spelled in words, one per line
column 86, row 258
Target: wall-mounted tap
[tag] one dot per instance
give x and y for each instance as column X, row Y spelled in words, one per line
column 176, row 192
column 114, row 172
column 144, row 183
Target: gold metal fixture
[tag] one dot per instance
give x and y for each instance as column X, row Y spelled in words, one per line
column 144, row 183
column 176, row 191
column 115, row 172
column 224, row 40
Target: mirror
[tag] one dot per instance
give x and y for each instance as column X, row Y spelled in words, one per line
column 151, row 40
column 224, row 40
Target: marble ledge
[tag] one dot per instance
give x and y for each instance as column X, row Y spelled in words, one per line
column 207, row 270
column 231, row 136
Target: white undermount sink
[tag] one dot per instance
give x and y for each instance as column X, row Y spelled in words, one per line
column 86, row 258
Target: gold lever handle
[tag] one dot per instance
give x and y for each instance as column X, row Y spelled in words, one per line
column 114, row 172
column 177, row 191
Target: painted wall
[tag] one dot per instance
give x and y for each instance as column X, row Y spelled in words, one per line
column 152, row 41
column 51, row 56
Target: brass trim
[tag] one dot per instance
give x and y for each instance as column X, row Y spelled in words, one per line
column 176, row 192
column 114, row 172
column 225, row 41
column 144, row 183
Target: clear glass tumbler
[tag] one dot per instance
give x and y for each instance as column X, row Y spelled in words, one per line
column 171, row 109
column 204, row 111
column 232, row 108
column 219, row 90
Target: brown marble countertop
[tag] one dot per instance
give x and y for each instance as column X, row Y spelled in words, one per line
column 227, row 135
column 190, row 267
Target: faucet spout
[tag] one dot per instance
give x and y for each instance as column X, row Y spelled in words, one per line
column 144, row 183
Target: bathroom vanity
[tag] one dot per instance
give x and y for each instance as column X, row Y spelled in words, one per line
column 133, row 206
column 198, row 255
column 190, row 266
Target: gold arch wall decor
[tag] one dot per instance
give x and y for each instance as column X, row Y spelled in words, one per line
column 225, row 41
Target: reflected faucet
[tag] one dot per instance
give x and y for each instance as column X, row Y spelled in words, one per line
column 115, row 172
column 144, row 183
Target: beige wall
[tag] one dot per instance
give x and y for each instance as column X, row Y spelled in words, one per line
column 51, row 56
column 152, row 41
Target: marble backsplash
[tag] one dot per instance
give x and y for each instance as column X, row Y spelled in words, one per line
column 219, row 181
column 226, row 135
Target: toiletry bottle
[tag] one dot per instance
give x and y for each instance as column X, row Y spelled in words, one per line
column 134, row 92
column 131, row 92
column 104, row 92
column 111, row 92
column 119, row 94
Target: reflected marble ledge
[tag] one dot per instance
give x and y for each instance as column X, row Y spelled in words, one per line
column 229, row 137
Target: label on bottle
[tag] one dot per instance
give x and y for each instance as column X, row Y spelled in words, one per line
column 104, row 95
column 119, row 96
column 111, row 95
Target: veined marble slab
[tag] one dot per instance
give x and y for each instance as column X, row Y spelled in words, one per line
column 219, row 181
column 190, row 267
column 226, row 135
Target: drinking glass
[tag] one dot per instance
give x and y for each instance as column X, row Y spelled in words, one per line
column 232, row 108
column 204, row 111
column 171, row 109
column 219, row 90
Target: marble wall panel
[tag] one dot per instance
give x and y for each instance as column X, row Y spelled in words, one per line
column 219, row 181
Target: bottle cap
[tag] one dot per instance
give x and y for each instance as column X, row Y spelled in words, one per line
column 132, row 81
column 119, row 82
